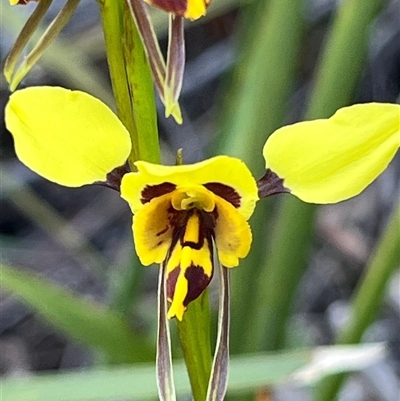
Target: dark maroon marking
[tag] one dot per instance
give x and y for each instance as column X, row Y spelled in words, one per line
column 177, row 7
column 171, row 282
column 270, row 184
column 225, row 192
column 162, row 231
column 154, row 191
column 114, row 178
column 197, row 283
column 24, row 2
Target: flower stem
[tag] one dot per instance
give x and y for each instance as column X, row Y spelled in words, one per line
column 194, row 333
column 131, row 81
column 112, row 19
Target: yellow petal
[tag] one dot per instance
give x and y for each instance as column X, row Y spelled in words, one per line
column 189, row 266
column 225, row 176
column 330, row 160
column 152, row 230
column 232, row 234
column 68, row 137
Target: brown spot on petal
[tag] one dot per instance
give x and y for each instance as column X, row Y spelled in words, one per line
column 225, row 192
column 154, row 191
column 197, row 283
column 162, row 231
column 177, row 7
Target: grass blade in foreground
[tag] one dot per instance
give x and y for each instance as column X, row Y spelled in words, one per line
column 137, row 381
column 84, row 321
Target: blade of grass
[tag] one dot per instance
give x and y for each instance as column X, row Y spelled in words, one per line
column 138, row 381
column 247, row 372
column 44, row 42
column 23, row 38
column 126, row 284
column 286, row 256
column 28, row 202
column 368, row 298
column 262, row 83
column 86, row 322
column 60, row 57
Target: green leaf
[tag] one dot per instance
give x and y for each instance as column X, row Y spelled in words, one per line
column 82, row 320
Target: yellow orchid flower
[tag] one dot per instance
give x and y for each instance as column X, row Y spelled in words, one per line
column 182, row 212
column 73, row 139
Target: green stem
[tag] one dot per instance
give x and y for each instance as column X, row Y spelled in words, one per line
column 112, row 19
column 194, row 334
column 368, row 299
column 141, row 87
column 131, row 80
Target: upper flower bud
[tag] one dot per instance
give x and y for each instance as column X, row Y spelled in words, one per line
column 15, row 2
column 190, row 9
